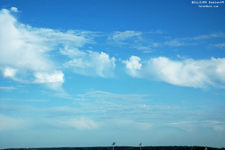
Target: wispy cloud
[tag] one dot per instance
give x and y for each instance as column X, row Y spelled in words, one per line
column 216, row 125
column 102, row 110
column 108, row 106
column 187, row 126
column 186, row 41
column 132, row 39
column 7, row 88
column 131, row 124
column 195, row 125
column 111, row 96
column 208, row 36
column 121, row 36
column 22, row 100
column 175, row 43
column 145, row 49
column 219, row 45
column 11, row 123
column 157, row 32
column 79, row 123
column 142, row 40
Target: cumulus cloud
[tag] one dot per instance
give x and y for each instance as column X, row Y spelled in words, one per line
column 9, row 72
column 53, row 80
column 89, row 62
column 14, row 9
column 43, row 77
column 189, row 72
column 186, row 72
column 132, row 65
column 19, row 47
column 25, row 50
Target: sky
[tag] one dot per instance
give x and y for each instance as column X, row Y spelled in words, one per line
column 80, row 73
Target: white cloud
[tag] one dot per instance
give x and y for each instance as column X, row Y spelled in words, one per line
column 218, row 126
column 24, row 49
column 187, row 126
column 53, row 80
column 43, row 77
column 9, row 72
column 89, row 62
column 186, row 72
column 81, row 124
column 189, row 72
column 145, row 49
column 193, row 125
column 135, row 39
column 7, row 88
column 157, row 32
column 208, row 36
column 19, row 47
column 14, row 9
column 219, row 45
column 189, row 40
column 133, row 65
column 111, row 96
column 175, row 43
column 120, row 36
column 130, row 124
column 72, row 52
column 9, row 123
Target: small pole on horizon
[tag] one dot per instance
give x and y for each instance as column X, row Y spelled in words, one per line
column 140, row 145
column 113, row 144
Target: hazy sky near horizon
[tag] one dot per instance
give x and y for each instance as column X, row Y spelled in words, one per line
column 92, row 72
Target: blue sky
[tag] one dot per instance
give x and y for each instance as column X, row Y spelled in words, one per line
column 89, row 73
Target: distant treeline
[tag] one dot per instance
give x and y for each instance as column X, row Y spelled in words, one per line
column 124, row 148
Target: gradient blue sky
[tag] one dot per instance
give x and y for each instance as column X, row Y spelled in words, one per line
column 88, row 73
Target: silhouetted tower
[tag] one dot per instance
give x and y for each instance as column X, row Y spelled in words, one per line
column 140, row 145
column 113, row 144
